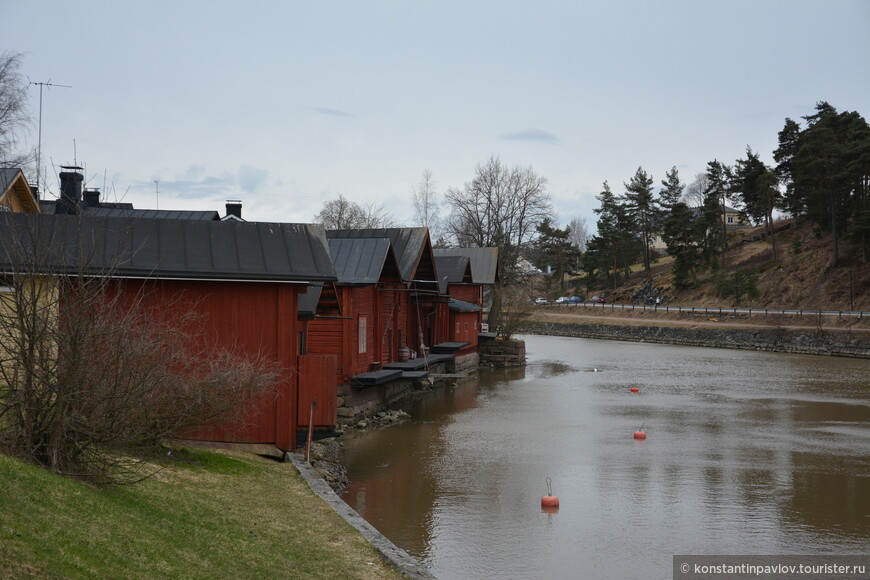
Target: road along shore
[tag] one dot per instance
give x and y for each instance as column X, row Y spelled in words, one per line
column 789, row 334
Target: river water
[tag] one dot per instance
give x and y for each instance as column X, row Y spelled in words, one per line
column 746, row 453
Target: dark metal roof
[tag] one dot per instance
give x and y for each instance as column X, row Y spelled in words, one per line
column 126, row 210
column 484, row 262
column 408, row 244
column 308, row 301
column 359, row 260
column 463, row 306
column 163, row 214
column 455, row 268
column 7, row 176
column 154, row 248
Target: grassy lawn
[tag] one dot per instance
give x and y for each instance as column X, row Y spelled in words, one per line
column 213, row 514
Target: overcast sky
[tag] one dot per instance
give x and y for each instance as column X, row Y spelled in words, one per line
column 286, row 105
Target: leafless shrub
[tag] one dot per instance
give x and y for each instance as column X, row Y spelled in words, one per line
column 92, row 380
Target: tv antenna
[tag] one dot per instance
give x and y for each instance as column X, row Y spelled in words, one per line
column 49, row 84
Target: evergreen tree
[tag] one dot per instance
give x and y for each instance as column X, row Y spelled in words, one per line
column 784, row 156
column 556, row 252
column 755, row 184
column 683, row 234
column 616, row 246
column 642, row 207
column 713, row 211
column 828, row 167
column 672, row 190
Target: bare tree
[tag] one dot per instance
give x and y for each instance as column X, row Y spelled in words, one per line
column 376, row 216
column 426, row 210
column 501, row 207
column 517, row 308
column 578, row 234
column 344, row 214
column 14, row 117
column 91, row 380
column 694, row 195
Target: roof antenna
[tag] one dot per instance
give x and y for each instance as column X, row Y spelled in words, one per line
column 49, row 84
column 157, row 194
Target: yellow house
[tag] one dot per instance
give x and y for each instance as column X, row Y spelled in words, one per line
column 15, row 193
column 734, row 218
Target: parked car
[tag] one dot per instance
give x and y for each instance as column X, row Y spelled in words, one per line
column 541, row 301
column 562, row 300
column 575, row 299
column 599, row 299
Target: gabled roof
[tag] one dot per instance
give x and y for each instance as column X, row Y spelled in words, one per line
column 15, row 192
column 154, row 248
column 484, row 262
column 362, row 260
column 320, row 298
column 409, row 245
column 457, row 269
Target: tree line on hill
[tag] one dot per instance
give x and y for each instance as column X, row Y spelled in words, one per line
column 822, row 174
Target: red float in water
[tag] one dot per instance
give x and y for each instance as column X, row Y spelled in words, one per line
column 640, row 434
column 549, row 500
column 635, row 390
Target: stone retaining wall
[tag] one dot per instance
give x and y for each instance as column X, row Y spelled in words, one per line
column 503, row 353
column 820, row 342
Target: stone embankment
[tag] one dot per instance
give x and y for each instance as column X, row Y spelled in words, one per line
column 817, row 342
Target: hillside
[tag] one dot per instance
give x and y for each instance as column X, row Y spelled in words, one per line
column 801, row 277
column 204, row 514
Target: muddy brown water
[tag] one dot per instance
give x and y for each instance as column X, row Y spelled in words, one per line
column 746, row 453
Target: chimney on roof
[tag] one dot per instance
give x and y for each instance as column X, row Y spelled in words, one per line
column 70, row 190
column 234, row 208
column 92, row 197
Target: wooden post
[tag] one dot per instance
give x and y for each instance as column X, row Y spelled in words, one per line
column 310, row 431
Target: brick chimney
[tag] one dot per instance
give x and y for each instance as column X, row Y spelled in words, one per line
column 92, row 198
column 70, row 190
column 234, row 208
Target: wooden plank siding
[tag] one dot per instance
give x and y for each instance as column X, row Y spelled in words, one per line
column 317, row 384
column 465, row 328
column 249, row 319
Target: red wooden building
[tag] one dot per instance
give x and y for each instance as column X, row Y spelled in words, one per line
column 242, row 279
column 365, row 325
column 469, row 271
column 409, row 308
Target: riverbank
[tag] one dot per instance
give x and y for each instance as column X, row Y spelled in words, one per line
column 815, row 335
column 204, row 514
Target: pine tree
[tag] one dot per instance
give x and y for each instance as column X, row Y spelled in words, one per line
column 643, row 209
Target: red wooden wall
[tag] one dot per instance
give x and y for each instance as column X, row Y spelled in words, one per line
column 317, row 384
column 248, row 319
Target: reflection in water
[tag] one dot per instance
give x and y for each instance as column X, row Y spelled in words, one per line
column 747, row 453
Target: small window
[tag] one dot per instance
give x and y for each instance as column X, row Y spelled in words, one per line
column 362, row 334
column 730, row 219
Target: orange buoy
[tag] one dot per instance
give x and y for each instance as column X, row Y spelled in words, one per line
column 549, row 500
column 635, row 390
column 640, row 434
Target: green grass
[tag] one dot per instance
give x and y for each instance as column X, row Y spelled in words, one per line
column 205, row 515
